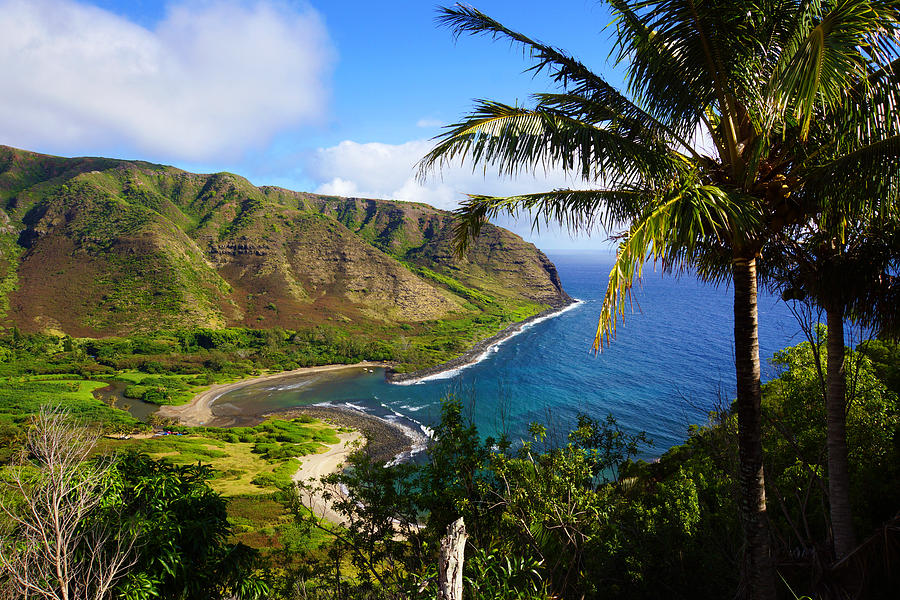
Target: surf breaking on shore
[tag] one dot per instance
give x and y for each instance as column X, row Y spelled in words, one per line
column 393, row 437
column 479, row 352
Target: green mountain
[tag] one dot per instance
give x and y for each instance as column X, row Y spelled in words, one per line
column 99, row 247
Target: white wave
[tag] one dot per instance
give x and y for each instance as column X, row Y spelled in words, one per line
column 347, row 405
column 291, row 386
column 418, row 441
column 576, row 302
column 493, row 348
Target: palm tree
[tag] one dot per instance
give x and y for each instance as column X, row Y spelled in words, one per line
column 848, row 271
column 747, row 77
column 843, row 261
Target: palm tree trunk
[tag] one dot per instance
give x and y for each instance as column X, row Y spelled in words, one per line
column 759, row 572
column 836, row 436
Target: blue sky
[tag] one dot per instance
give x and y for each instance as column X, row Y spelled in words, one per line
column 336, row 96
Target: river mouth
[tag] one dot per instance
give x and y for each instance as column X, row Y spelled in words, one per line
column 114, row 395
column 254, row 400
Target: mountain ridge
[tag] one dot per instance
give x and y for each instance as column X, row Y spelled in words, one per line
column 94, row 246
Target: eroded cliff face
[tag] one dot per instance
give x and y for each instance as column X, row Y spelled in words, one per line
column 498, row 260
column 94, row 246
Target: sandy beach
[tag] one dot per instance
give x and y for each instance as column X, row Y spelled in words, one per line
column 198, row 412
column 318, row 465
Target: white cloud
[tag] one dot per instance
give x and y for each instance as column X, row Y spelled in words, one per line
column 379, row 170
column 339, row 187
column 429, row 123
column 376, row 170
column 212, row 80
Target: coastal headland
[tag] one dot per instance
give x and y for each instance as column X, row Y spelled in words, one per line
column 477, row 351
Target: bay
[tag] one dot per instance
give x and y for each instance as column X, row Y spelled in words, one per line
column 670, row 364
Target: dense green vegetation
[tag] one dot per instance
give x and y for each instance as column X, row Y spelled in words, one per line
column 585, row 520
column 183, row 531
column 167, row 367
column 578, row 520
column 233, row 351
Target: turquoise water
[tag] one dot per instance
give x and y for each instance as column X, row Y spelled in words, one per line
column 670, row 364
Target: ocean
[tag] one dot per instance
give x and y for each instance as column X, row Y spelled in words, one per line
column 670, row 364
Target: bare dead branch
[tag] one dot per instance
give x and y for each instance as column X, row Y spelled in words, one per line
column 50, row 547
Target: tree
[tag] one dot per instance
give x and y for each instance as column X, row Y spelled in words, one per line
column 847, row 272
column 750, row 79
column 82, row 526
column 182, row 530
column 54, row 547
column 796, row 436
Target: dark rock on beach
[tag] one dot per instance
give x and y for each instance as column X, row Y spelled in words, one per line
column 384, row 441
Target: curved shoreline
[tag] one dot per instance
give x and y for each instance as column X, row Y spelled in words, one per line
column 198, row 412
column 475, row 354
column 383, row 440
column 315, row 466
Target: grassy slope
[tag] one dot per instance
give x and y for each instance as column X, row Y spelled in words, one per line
column 249, row 478
column 96, row 247
column 162, row 241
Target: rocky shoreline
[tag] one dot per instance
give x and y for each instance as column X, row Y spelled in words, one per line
column 471, row 356
column 384, row 441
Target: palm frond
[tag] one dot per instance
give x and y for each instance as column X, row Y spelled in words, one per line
column 674, row 232
column 870, row 111
column 836, row 46
column 687, row 58
column 577, row 210
column 572, row 75
column 513, row 139
column 592, row 110
column 869, row 174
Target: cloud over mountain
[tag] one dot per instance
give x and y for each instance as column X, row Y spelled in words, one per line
column 210, row 80
column 389, row 171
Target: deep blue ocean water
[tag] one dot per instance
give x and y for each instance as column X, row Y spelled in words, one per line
column 671, row 363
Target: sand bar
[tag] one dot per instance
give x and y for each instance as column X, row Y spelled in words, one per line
column 198, row 412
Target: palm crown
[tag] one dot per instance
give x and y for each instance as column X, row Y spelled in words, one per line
column 798, row 101
column 768, row 84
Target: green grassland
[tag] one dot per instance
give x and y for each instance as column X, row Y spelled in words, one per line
column 22, row 397
column 252, row 466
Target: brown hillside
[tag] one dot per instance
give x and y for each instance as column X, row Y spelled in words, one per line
column 94, row 246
